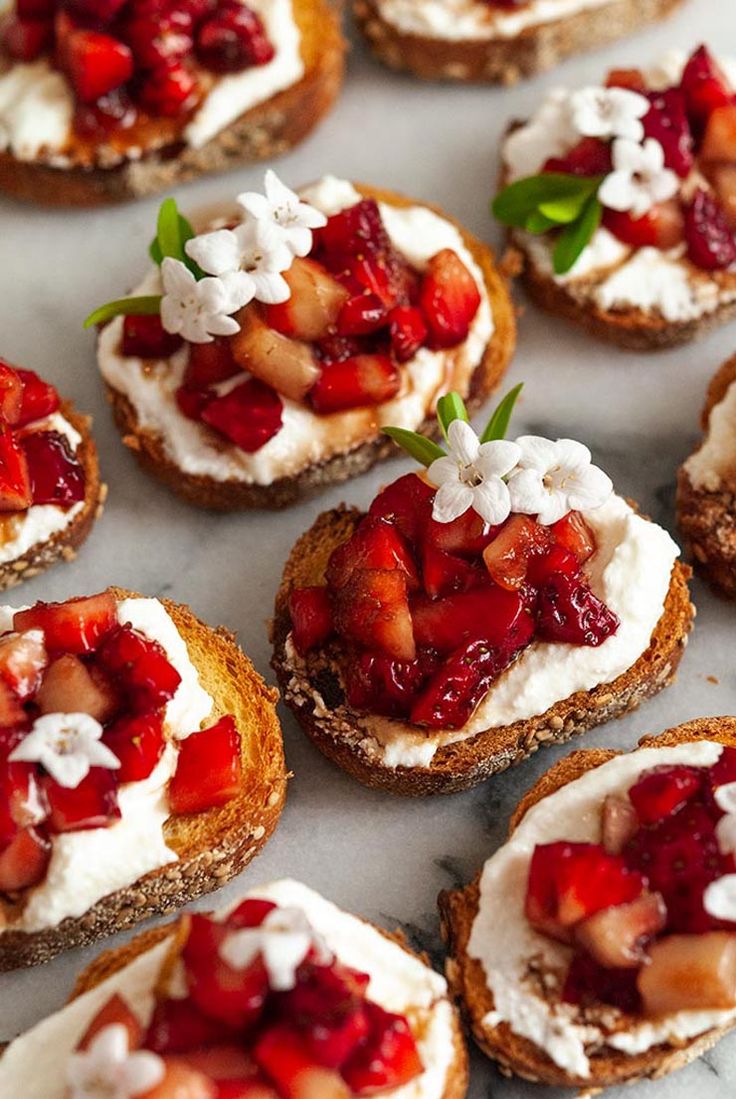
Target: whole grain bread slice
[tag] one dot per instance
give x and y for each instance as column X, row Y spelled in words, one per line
column 213, row 846
column 506, row 60
column 706, row 518
column 263, row 132
column 149, row 446
column 458, row 908
column 338, row 731
column 63, row 545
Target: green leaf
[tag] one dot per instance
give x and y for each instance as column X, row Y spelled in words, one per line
column 564, row 210
column 424, row 450
column 451, row 407
column 519, row 200
column 537, row 223
column 498, row 424
column 168, row 230
column 576, row 235
column 185, row 233
column 125, row 307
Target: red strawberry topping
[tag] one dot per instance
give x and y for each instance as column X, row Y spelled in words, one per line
column 146, row 338
column 667, row 123
column 704, row 86
column 56, row 474
column 248, row 415
column 232, row 39
column 711, row 244
column 449, row 299
column 209, row 769
column 590, row 157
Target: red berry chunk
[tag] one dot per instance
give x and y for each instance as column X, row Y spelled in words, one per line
column 569, row 612
column 11, row 711
column 141, row 667
column 169, row 90
column 115, row 1012
column 56, row 474
column 587, row 982
column 638, row 232
column 407, row 330
column 724, row 770
column 381, row 685
column 250, row 913
column 388, row 1059
column 138, row 742
column 508, row 556
column 711, row 244
column 361, row 315
column 633, row 79
column 574, row 534
column 661, row 791
column 445, row 573
column 232, row 39
column 328, row 1004
column 146, row 338
column 39, row 399
column 375, row 544
column 76, row 626
column 208, row 770
column 667, row 123
column 15, row 482
column 91, row 804
column 719, row 140
column 557, row 559
column 590, row 157
column 24, row 861
column 178, row 1026
column 11, row 394
column 311, row 617
column 284, row 1056
column 372, row 609
column 490, row 613
column 360, row 380
column 355, row 246
column 248, row 415
column 232, row 996
column 27, row 39
column 192, row 402
column 705, row 86
column 22, row 662
column 96, row 63
column 157, row 37
column 210, row 363
column 407, row 503
column 468, row 535
column 449, row 299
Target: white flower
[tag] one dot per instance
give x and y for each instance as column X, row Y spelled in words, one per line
column 198, row 309
column 639, row 179
column 283, row 209
column 67, row 745
column 283, row 941
column 608, row 112
column 247, row 259
column 719, row 898
column 554, row 478
column 470, row 476
column 108, row 1070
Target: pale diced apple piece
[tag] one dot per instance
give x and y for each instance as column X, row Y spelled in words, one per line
column 719, row 140
column 615, row 937
column 287, row 365
column 314, row 305
column 723, row 178
column 70, row 687
column 619, row 823
column 690, row 973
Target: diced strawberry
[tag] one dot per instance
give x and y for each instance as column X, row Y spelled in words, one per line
column 138, row 742
column 719, row 140
column 372, row 609
column 220, row 1061
column 158, row 37
column 27, row 39
column 352, row 383
column 11, row 711
column 146, row 338
column 35, row 9
column 22, row 662
column 667, row 123
column 590, row 157
column 311, row 617
column 39, row 398
column 449, row 299
column 15, row 481
column 375, row 682
column 388, row 1059
column 574, row 534
column 616, row 936
column 178, row 1025
column 69, row 686
column 56, row 474
column 570, row 613
column 11, row 394
column 169, row 90
column 210, row 363
column 114, row 1012
column 8, row 827
column 492, row 614
column 638, row 232
column 508, row 556
column 661, row 791
column 568, row 882
column 23, row 863
column 723, row 180
column 723, row 770
column 95, row 11
column 375, row 544
column 231, row 996
column 317, row 300
column 96, row 63
column 192, row 402
column 327, row 1004
column 249, row 913
column 556, row 559
column 445, row 573
column 248, row 415
column 711, row 244
column 22, row 800
column 75, row 626
column 140, row 667
column 705, row 87
column 208, row 770
column 284, row 1057
column 407, row 503
column 407, row 330
column 619, row 823
column 361, row 315
column 181, row 1082
column 468, row 535
column 336, row 349
column 287, row 365
column 232, row 39
column 255, row 1087
column 587, row 982
column 633, row 79
column 91, row 804
column 356, row 247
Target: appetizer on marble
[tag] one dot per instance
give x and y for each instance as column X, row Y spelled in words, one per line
column 622, row 201
column 50, row 491
column 141, row 766
column 107, row 100
column 496, row 40
column 503, row 599
column 598, row 945
column 279, row 341
column 282, row 996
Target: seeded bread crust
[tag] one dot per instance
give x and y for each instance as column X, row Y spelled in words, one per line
column 63, row 545
column 150, row 449
column 708, row 519
column 264, row 132
column 505, row 60
column 337, row 731
column 458, row 908
column 213, row 846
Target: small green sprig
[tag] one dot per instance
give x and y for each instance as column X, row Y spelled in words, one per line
column 553, row 201
column 452, row 407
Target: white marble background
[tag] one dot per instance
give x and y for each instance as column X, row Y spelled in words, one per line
column 379, row 856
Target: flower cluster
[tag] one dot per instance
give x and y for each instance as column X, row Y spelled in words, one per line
column 108, row 1069
column 283, row 941
column 67, row 745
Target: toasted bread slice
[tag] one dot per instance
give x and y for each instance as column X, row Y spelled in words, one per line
column 336, row 729
column 212, row 846
column 63, row 545
column 150, row 448
column 458, row 909
column 264, row 132
column 504, row 60
column 707, row 518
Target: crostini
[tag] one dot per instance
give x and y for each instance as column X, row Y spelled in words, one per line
column 141, row 766
column 287, row 335
column 621, row 201
column 502, row 600
column 107, row 100
column 282, row 996
column 496, row 40
column 598, row 945
column 50, row 490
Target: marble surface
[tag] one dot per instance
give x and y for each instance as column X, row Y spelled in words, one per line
column 377, row 855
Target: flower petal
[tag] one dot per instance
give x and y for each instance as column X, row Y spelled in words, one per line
column 443, row 470
column 617, row 191
column 526, row 491
column 536, row 452
column 216, row 252
column 176, row 277
column 464, row 443
column 452, row 501
column 270, row 287
column 258, row 206
column 571, row 454
column 221, row 325
column 492, row 501
column 590, row 490
column 497, row 458
column 555, row 506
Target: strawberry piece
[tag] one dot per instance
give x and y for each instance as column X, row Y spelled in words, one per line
column 192, row 402
column 724, row 770
column 570, row 613
column 22, row 662
column 590, row 157
column 11, row 711
column 169, row 90
column 449, row 299
column 311, row 618
column 711, row 244
column 11, row 394
column 15, row 482
column 76, row 626
column 361, row 315
column 327, row 1004
column 39, row 399
column 110, row 114
column 208, row 770
column 335, row 349
column 375, row 544
column 255, row 1087
column 719, row 140
column 619, row 823
column 141, row 668
column 556, row 559
column 468, row 535
column 56, row 474
column 232, row 39
column 157, row 37
column 138, row 742
column 408, row 504
column 354, row 382
column 667, row 122
column 178, row 1025
column 376, row 683
column 248, row 415
column 22, row 801
column 210, row 363
column 23, row 863
column 27, row 39
column 568, row 882
column 574, row 533
column 96, row 63
column 96, row 11
column 616, row 936
column 35, row 9
column 704, row 86
column 372, row 609
column 181, row 1081
column 69, row 686
column 91, row 804
column 508, row 556
column 356, row 247
column 285, row 1058
column 287, row 365
column 633, row 79
column 662, row 791
column 249, row 913
column 588, row 983
column 407, row 330
column 220, row 1061
column 234, row 997
column 444, row 573
column 491, row 614
column 114, row 1012
column 723, row 180
column 638, row 232
column 316, row 302
column 388, row 1059
column 144, row 337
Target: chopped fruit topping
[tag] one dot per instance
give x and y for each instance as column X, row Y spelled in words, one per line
column 285, row 364
column 11, row 711
column 208, row 770
column 69, row 686
column 719, row 141
column 590, row 157
column 377, row 683
column 27, row 39
column 23, row 863
column 388, row 1059
column 375, row 544
column 91, row 804
column 15, row 482
column 250, row 913
column 146, row 338
column 490, row 614
column 56, row 474
column 660, row 792
column 574, row 534
column 169, row 90
column 372, row 609
column 178, row 1025
column 114, row 1012
column 210, row 363
column 508, row 556
column 22, row 662
column 556, row 559
column 285, row 1057
column 182, row 1082
column 77, row 626
column 587, row 982
column 711, row 243
column 616, row 936
column 667, row 123
column 248, row 415
column 619, row 823
column 467, row 535
column 141, row 666
column 311, row 617
column 96, row 63
column 633, row 79
column 355, row 246
column 333, row 996
column 11, row 394
column 408, row 504
column 138, row 742
column 662, row 227
column 723, row 178
column 705, row 87
column 689, row 973
column 361, row 315
column 232, row 996
column 449, row 299
column 232, row 39
column 570, row 613
column 445, row 573
column 39, row 398
column 360, row 380
column 317, row 300
column 159, row 36
column 408, row 331
column 21, row 797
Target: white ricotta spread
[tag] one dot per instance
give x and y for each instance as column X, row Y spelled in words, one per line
column 459, row 20
column 305, row 438
column 86, row 866
column 504, row 942
column 713, row 466
column 37, row 105
column 41, row 521
column 398, row 982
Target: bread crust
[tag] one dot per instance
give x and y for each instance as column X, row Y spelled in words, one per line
column 458, row 908
column 213, row 846
column 338, row 735
column 266, row 131
column 149, row 447
column 708, row 519
column 63, row 545
column 505, row 60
